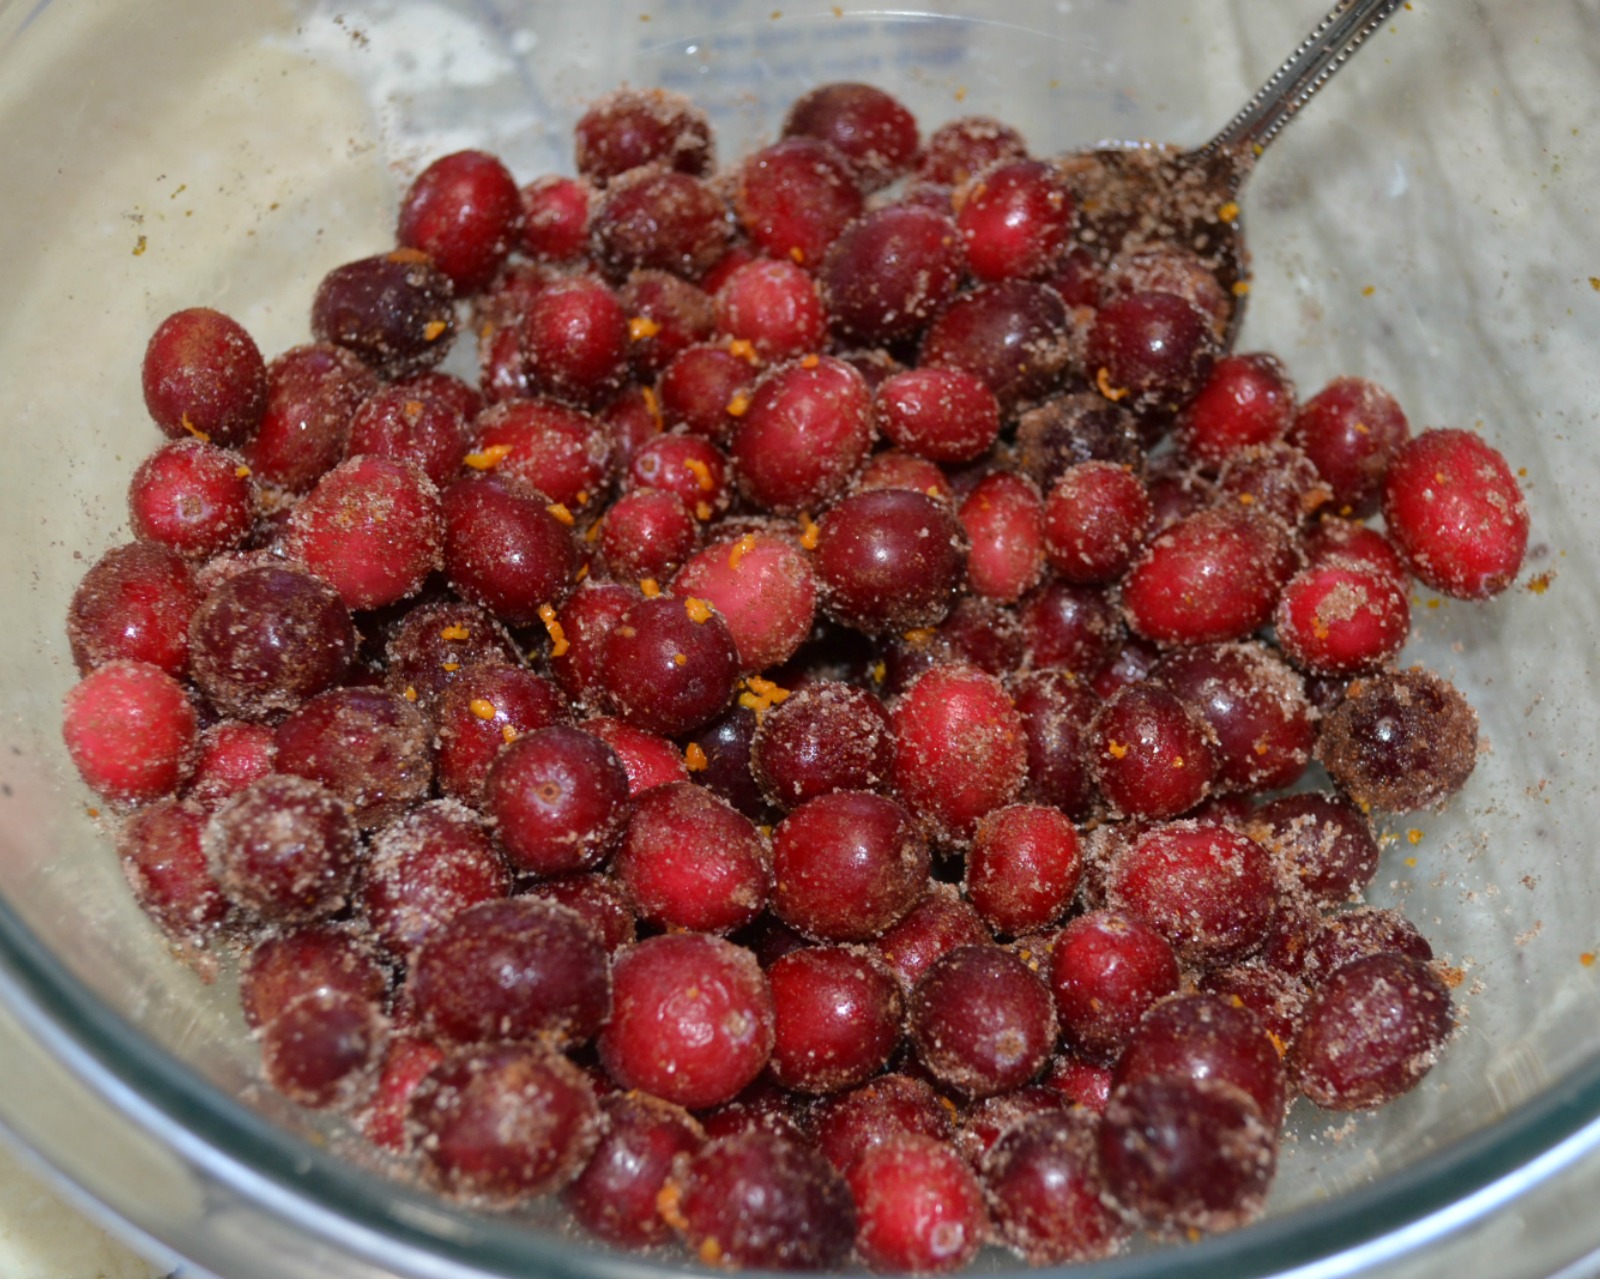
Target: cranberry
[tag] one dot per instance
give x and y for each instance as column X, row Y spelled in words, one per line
column 203, row 375
column 773, row 305
column 465, row 212
column 394, row 311
column 371, row 748
column 1374, row 1028
column 561, row 451
column 1070, row 627
column 846, row 1125
column 584, row 622
column 1455, row 513
column 1107, row 969
column 503, row 548
column 763, row 587
column 985, row 1122
column 634, row 127
column 706, row 390
column 401, row 423
column 941, row 921
column 135, row 604
column 1012, row 334
column 691, row 467
column 760, row 1201
column 1081, row 426
column 871, row 129
column 599, row 900
column 897, row 469
column 434, row 645
column 669, row 665
column 888, row 272
column 323, row 1049
column 981, row 1020
column 1153, row 755
column 807, row 430
column 1276, row 998
column 691, row 1020
column 575, row 343
column 614, row 1196
column 285, row 849
column 1350, row 430
column 405, row 1065
column 555, row 218
column 946, row 415
column 1352, row 542
column 824, row 737
column 313, row 393
column 1155, row 349
column 488, row 705
column 659, row 219
column 1247, row 400
column 919, row 1208
column 193, row 498
column 723, row 763
column 1400, row 740
column 1056, row 713
column 961, row 148
column 559, row 797
column 1015, row 219
column 1047, row 1193
column 1337, row 619
column 1023, row 868
column 130, row 730
column 666, row 316
column 689, row 860
column 1095, row 521
column 1354, row 934
column 313, row 959
column 165, row 865
column 504, row 1122
column 846, row 866
column 837, row 1014
column 889, row 559
column 1004, row 522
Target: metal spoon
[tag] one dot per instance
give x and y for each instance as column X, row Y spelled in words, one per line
column 1138, row 194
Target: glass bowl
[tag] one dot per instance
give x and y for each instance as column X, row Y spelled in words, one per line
column 1428, row 224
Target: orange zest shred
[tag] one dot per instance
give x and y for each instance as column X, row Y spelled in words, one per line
column 1116, row 749
column 641, row 327
column 561, row 513
column 650, row 587
column 452, row 667
column 1587, row 959
column 406, row 257
column 797, row 255
column 507, row 734
column 1278, row 1045
column 482, row 707
column 489, row 458
column 592, row 533
column 810, row 361
column 668, row 1199
column 583, row 572
column 455, row 631
column 710, row 1250
column 738, row 406
column 433, row 330
column 698, row 609
column 558, row 637
column 1102, row 379
column 701, row 473
column 919, row 637
column 880, row 672
column 761, row 695
column 744, row 349
column 741, row 548
column 410, row 694
column 241, row 472
column 203, row 436
column 680, row 659
column 703, row 511
column 1240, row 287
column 694, row 758
column 809, row 532
column 1229, row 212
column 652, row 403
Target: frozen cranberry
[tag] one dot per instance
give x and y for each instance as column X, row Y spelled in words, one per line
column 1256, row 707
column 1400, row 740
column 1095, row 521
column 203, row 375
column 1081, row 426
column 434, row 643
column 960, row 749
column 1247, row 400
column 669, row 665
column 426, row 866
column 705, row 390
column 232, row 755
column 1350, row 430
column 983, row 1123
column 1023, row 868
column 1337, row 619
column 896, row 469
column 1071, row 627
column 648, row 758
column 824, row 737
column 614, row 1196
column 634, row 127
column 763, row 586
column 134, row 603
column 599, row 900
column 837, row 1017
column 1186, row 1154
column 1003, row 519
column 402, row 423
column 807, row 430
column 689, row 466
column 505, row 1122
column 503, row 548
column 666, row 316
column 946, row 415
column 130, row 730
column 888, row 272
column 1056, row 712
column 1012, row 334
column 761, row 1201
column 940, row 922
column 406, row 1063
column 1153, row 755
column 794, row 197
column 846, row 1125
column 317, row 958
column 166, row 867
column 465, row 212
column 691, row 1019
column 889, row 559
column 1212, row 576
column 313, row 393
column 193, row 498
column 1276, row 998
column 561, row 451
column 846, row 866
column 519, row 968
column 1207, row 1037
column 919, row 1208
column 1353, row 934
column 961, row 148
column 773, row 305
column 285, row 849
column 555, row 218
column 370, row 747
column 870, row 128
column 575, row 342
column 659, row 219
column 1047, row 1193
column 981, row 1020
column 584, row 622
column 1107, row 969
column 1208, row 890
column 559, row 797
column 394, row 311
column 1155, row 349
column 1015, row 218
column 1351, row 542
column 488, row 705
column 1373, row 1029
column 1455, row 513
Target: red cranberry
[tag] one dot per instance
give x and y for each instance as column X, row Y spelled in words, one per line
column 1337, row 619
column 503, row 549
column 402, row 423
column 889, row 559
column 773, row 305
column 806, row 432
column 871, row 129
column 134, row 603
column 648, row 758
column 465, row 212
column 371, row 748
column 203, row 375
column 763, row 586
column 1247, row 400
column 1350, row 430
column 394, row 311
column 285, row 849
column 897, row 469
column 585, row 621
column 691, row 467
column 614, row 1196
column 634, row 127
column 1047, row 1193
column 1056, row 713
column 1274, row 479
column 166, row 868
column 559, row 797
column 846, row 1125
column 940, row 922
column 1023, row 868
column 193, row 498
column 981, row 1020
column 130, row 730
column 405, row 1065
column 1400, row 740
column 824, row 737
column 1107, row 969
column 555, row 218
column 1354, row 543
column 961, row 148
column 666, row 316
column 232, row 755
column 575, row 342
column 669, row 665
column 658, row 219
column 486, row 707
column 888, row 272
column 1004, row 522
column 706, row 390
column 919, row 1208
column 561, row 451
column 1070, row 627
column 1095, row 521
column 426, row 866
column 837, row 1014
column 723, row 763
column 599, row 900
column 315, row 959
column 435, row 644
column 946, row 415
column 1154, row 349
column 1015, row 219
column 1012, row 334
column 1153, row 755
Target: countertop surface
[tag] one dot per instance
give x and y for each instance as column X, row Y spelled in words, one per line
column 44, row 1237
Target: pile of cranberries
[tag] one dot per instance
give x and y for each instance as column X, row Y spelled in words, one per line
column 811, row 757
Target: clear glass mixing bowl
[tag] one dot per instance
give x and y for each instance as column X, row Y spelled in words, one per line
column 1430, row 224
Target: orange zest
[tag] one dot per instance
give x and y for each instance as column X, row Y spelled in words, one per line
column 697, row 609
column 489, row 458
column 482, row 707
column 558, row 637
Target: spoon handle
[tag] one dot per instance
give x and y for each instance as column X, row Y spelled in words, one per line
column 1310, row 67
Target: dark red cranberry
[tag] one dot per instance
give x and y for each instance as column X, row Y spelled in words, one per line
column 807, row 431
column 1172, row 269
column 465, row 212
column 555, row 218
column 846, row 1125
column 898, row 469
column 659, row 219
column 315, row 959
column 1047, row 1193
column 981, row 1020
column 869, row 127
column 134, row 603
column 575, row 342
column 1131, row 663
column 1276, row 998
column 486, row 707
column 763, row 586
column 669, row 665
column 519, row 968
column 690, row 466
column 1023, row 868
column 313, row 393
column 961, row 148
column 794, row 198
column 203, row 375
column 1015, row 218
column 504, row 549
column 723, row 763
column 961, row 750
column 323, row 1049
column 130, row 730
column 634, row 127
column 1373, row 1029
column 941, row 921
column 837, row 1017
column 983, row 1123
column 370, row 747
column 1081, row 426
column 889, row 560
column 285, row 849
column 1349, row 935
column 691, row 1019
column 919, row 1208
column 761, row 1201
column 825, row 737
column 1400, row 740
column 888, row 272
column 1186, row 1154
column 945, row 415
column 401, row 423
column 1337, row 619
column 1153, row 349
column 1012, row 334
column 434, row 643
column 775, row 306
column 1350, row 430
column 585, row 621
column 1455, row 513
column 505, row 1122
column 846, row 866
column 559, row 450
column 192, row 498
column 614, row 1197
column 426, row 866
column 165, row 866
column 1153, row 755
column 1207, row 1037
column 1095, row 521
column 1056, row 712
column 632, row 420
column 394, row 310
column 689, row 860
column 1247, row 400
column 1004, row 522
column 599, row 900
column 1256, row 707
column 1070, row 627
column 559, row 798
column 666, row 316
column 706, row 390
column 1107, row 969
column 764, row 1107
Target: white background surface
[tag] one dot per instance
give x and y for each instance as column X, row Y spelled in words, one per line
column 41, row 1237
